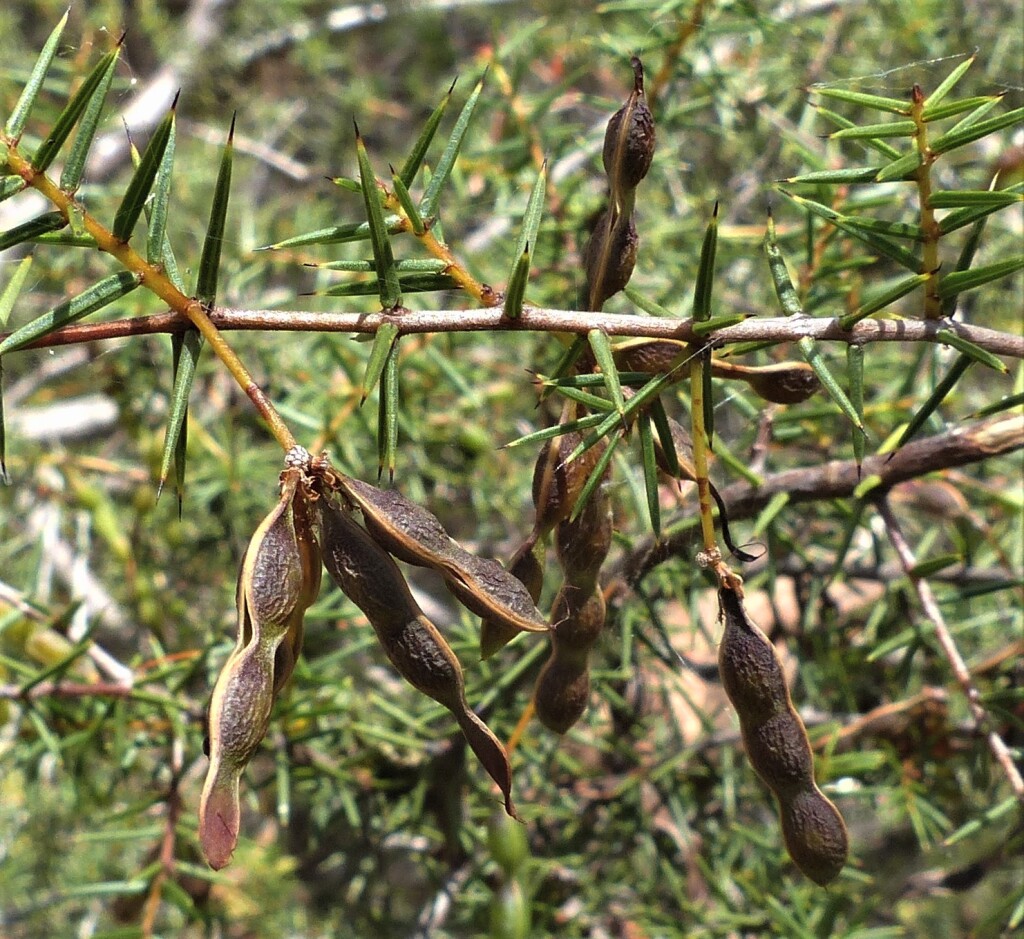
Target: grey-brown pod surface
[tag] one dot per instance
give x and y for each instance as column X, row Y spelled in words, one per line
column 371, row 579
column 629, row 138
column 777, row 745
column 414, row 535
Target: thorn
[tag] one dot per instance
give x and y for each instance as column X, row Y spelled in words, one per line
column 231, row 130
column 174, row 103
column 356, row 126
column 120, row 41
column 451, row 87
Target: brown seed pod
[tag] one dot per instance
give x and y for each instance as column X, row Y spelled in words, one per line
column 629, row 138
column 526, row 567
column 370, row 578
column 415, row 535
column 557, row 482
column 610, row 256
column 279, row 579
column 562, row 692
column 656, row 356
column 777, row 744
column 582, row 543
column 784, row 383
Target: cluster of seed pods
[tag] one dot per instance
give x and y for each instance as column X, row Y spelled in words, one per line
column 314, row 523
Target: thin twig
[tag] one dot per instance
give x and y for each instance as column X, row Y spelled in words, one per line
column 838, row 479
column 931, row 610
column 536, row 319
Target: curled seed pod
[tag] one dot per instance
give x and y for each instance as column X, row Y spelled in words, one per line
column 526, row 567
column 279, row 579
column 656, row 356
column 416, row 536
column 777, row 744
column 369, row 577
column 629, row 138
column 683, row 444
column 781, row 383
column 610, row 256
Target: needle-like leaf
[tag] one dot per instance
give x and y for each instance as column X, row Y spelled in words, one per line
column 156, row 233
column 387, row 416
column 141, row 184
column 74, row 109
column 650, row 473
column 383, row 344
column 185, row 349
column 414, row 161
column 16, row 122
column 89, row 301
column 518, row 276
column 32, row 229
column 387, row 277
column 209, row 261
column 71, row 175
column 429, row 202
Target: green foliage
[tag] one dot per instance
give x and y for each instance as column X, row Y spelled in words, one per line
column 361, row 805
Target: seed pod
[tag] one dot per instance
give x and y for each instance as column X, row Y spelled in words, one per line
column 777, row 745
column 783, row 383
column 610, row 256
column 557, row 483
column 562, row 692
column 279, row 579
column 526, row 567
column 369, row 577
column 414, row 535
column 583, row 542
column 629, row 138
column 656, row 356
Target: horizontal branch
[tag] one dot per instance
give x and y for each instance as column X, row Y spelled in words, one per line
column 839, row 479
column 535, row 319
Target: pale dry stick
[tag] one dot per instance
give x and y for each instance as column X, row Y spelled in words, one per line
column 949, row 648
column 537, row 319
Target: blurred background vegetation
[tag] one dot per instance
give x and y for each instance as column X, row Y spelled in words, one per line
column 362, row 815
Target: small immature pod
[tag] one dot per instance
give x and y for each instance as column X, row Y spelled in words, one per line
column 777, row 744
column 370, row 578
column 279, row 579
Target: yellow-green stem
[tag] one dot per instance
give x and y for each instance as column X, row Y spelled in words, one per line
column 929, row 224
column 481, row 292
column 156, row 281
column 700, row 456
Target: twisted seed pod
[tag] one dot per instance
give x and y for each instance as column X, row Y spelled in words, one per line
column 777, row 745
column 279, row 579
column 416, row 536
column 369, row 577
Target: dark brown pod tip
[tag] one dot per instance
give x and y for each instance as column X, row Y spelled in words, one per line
column 629, row 139
column 815, row 835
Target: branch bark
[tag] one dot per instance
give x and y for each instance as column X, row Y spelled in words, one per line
column 838, row 479
column 536, row 319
